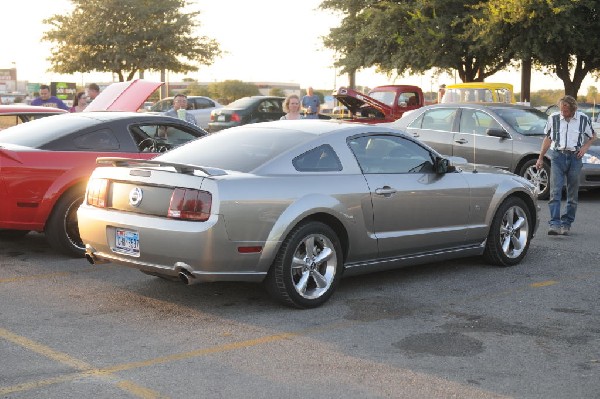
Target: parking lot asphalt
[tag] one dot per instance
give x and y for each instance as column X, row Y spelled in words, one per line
column 459, row 329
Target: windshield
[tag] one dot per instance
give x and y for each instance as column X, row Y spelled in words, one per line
column 241, row 149
column 527, row 121
column 386, row 97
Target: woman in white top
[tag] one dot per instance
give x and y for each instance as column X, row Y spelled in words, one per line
column 291, row 105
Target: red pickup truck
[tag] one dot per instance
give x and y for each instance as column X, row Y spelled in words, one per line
column 382, row 104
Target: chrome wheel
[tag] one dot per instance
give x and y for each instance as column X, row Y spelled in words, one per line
column 540, row 178
column 510, row 233
column 514, row 232
column 313, row 266
column 308, row 266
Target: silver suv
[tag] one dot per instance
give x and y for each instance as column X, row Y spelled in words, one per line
column 199, row 106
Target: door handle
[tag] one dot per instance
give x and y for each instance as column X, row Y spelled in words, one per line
column 385, row 191
column 461, row 141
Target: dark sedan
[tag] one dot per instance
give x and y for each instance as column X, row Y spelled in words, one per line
column 246, row 110
column 502, row 135
column 45, row 165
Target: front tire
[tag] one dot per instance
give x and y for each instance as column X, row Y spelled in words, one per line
column 62, row 230
column 307, row 268
column 510, row 234
column 539, row 177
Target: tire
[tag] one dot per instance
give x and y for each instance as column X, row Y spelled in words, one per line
column 510, row 234
column 303, row 280
column 539, row 178
column 62, row 230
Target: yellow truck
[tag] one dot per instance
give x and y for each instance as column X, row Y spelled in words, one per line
column 481, row 92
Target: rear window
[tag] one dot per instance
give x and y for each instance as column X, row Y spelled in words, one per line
column 41, row 131
column 241, row 149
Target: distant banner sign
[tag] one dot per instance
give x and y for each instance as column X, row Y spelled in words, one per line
column 8, row 74
column 63, row 90
column 33, row 87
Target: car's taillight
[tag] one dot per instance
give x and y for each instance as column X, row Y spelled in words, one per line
column 235, row 117
column 97, row 191
column 212, row 116
column 190, row 204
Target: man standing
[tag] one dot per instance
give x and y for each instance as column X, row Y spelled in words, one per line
column 46, row 100
column 179, row 109
column 569, row 134
column 92, row 91
column 311, row 104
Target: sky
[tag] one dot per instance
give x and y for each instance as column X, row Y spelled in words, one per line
column 262, row 41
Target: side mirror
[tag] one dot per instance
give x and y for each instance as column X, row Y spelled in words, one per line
column 501, row 133
column 442, row 165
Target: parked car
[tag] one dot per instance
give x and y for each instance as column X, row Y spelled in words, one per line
column 502, row 135
column 45, row 164
column 246, row 110
column 199, row 106
column 14, row 114
column 296, row 204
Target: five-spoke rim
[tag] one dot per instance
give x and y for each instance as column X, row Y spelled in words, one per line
column 314, row 266
column 514, row 232
column 538, row 177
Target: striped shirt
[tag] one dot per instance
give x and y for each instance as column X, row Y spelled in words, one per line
column 568, row 135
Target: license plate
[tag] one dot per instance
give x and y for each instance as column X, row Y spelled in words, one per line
column 127, row 241
column 221, row 118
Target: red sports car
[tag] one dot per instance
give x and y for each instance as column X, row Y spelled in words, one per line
column 15, row 114
column 45, row 164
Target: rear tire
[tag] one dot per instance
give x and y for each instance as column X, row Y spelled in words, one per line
column 510, row 234
column 62, row 230
column 307, row 268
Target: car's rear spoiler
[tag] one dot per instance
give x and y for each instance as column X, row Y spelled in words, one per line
column 179, row 167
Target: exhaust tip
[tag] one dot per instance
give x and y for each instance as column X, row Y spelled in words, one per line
column 184, row 277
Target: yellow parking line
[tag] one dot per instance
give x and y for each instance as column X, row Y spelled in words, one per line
column 543, row 284
column 85, row 368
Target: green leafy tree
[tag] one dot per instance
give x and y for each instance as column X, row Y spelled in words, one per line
column 231, row 90
column 127, row 36
column 414, row 36
column 276, row 91
column 560, row 36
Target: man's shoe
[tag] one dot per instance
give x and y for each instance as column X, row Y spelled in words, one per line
column 564, row 230
column 554, row 231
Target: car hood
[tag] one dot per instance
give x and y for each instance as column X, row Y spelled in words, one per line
column 123, row 96
column 355, row 101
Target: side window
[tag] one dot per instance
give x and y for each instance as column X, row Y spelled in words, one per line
column 441, row 119
column 8, row 121
column 477, row 122
column 391, row 154
column 268, row 106
column 203, row 103
column 408, row 99
column 320, row 159
column 100, row 140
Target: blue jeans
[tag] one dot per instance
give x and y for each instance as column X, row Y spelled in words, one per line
column 565, row 169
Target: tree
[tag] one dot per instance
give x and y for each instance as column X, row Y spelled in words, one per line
column 127, row 36
column 560, row 36
column 231, row 90
column 414, row 37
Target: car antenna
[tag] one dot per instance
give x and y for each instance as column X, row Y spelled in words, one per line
column 474, row 160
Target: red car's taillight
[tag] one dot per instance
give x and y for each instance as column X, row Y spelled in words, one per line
column 235, row 117
column 190, row 204
column 97, row 191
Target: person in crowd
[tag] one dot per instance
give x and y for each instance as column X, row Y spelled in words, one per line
column 79, row 102
column 441, row 92
column 291, row 105
column 179, row 109
column 569, row 134
column 311, row 104
column 47, row 100
column 92, row 91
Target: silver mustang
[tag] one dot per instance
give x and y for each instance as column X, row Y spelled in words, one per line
column 296, row 204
